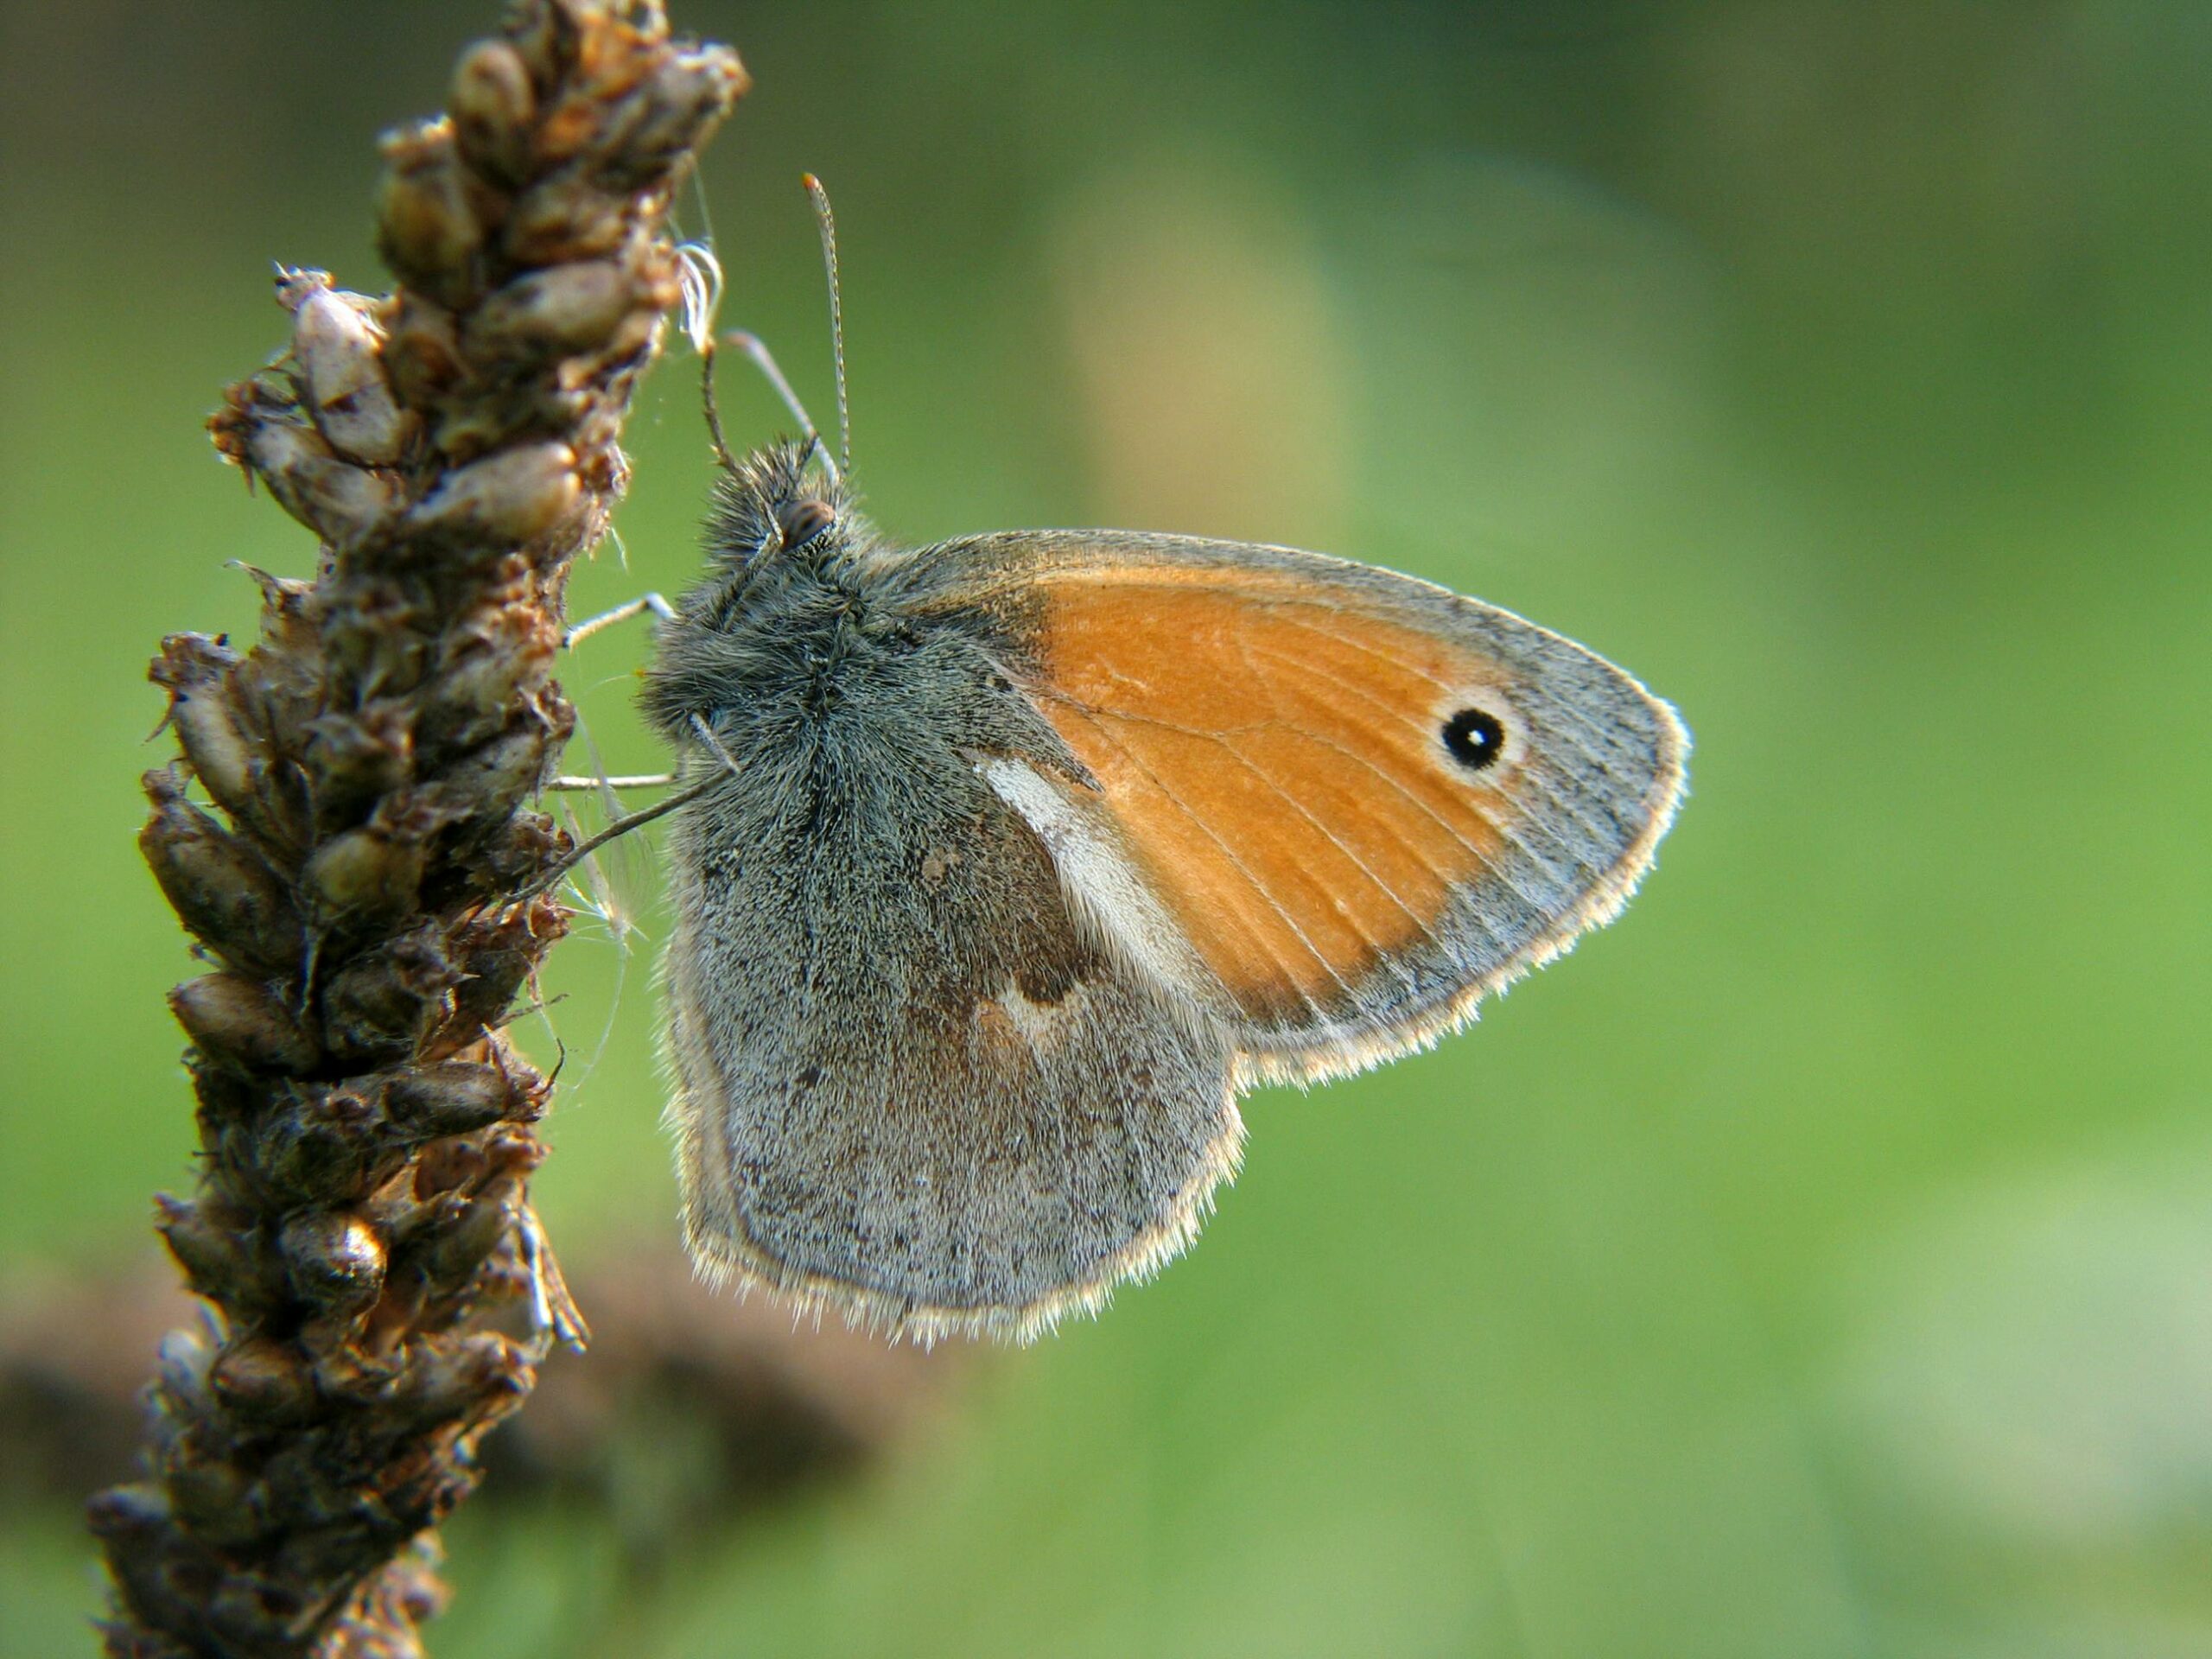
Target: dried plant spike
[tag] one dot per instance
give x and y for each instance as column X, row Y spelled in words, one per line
column 348, row 834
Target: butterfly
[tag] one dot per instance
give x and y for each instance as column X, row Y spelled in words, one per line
column 1005, row 864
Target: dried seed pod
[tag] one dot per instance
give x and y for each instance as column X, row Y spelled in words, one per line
column 466, row 428
column 136, row 1510
column 284, row 601
column 523, row 849
column 380, row 1002
column 571, row 130
column 637, row 335
column 562, row 399
column 357, row 757
column 477, row 689
column 445, row 1168
column 426, row 228
column 497, row 952
column 690, row 92
column 461, row 1246
column 227, row 1098
column 279, row 684
column 187, row 660
column 217, row 1252
column 213, row 1497
column 456, row 1096
column 348, row 1373
column 565, row 217
column 320, row 1144
column 219, row 887
column 335, row 1259
column 504, row 500
column 181, row 1365
column 364, row 873
column 422, row 352
column 375, row 751
column 449, row 1375
column 511, row 1152
column 375, row 640
column 265, row 1379
column 493, row 106
column 343, row 504
column 224, row 757
column 242, row 1022
column 490, row 781
column 544, row 33
column 339, row 347
column 547, row 314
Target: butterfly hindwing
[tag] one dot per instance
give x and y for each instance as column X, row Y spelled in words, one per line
column 906, row 1087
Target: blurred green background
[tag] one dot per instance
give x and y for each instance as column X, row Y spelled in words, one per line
column 1818, row 1263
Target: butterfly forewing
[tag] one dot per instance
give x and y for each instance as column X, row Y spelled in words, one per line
column 1363, row 800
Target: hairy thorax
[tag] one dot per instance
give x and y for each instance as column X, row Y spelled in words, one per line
column 854, row 840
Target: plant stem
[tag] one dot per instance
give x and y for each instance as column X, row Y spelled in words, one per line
column 368, row 888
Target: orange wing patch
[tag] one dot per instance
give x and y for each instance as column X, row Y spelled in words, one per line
column 1275, row 764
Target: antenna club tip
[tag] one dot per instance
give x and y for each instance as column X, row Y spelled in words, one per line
column 808, row 183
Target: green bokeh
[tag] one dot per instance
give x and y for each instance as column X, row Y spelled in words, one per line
column 1818, row 1263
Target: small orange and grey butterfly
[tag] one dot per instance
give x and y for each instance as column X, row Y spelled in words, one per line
column 1015, row 858
column 1003, row 866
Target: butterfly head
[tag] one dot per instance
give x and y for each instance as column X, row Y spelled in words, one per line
column 773, row 506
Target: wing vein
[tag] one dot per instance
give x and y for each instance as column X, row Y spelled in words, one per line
column 1243, row 870
column 1496, row 868
column 1496, row 821
column 1243, row 649
column 1441, row 821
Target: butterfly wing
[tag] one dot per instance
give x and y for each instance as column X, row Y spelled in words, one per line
column 1339, row 804
column 907, row 1089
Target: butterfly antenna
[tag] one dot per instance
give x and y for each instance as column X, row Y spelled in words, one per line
column 821, row 199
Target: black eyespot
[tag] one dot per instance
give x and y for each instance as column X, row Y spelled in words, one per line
column 1475, row 739
column 802, row 520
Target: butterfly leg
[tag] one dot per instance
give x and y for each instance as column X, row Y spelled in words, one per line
column 648, row 779
column 575, row 637
column 642, row 816
column 637, row 606
column 621, row 826
column 622, row 780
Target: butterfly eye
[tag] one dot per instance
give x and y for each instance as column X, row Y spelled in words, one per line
column 1475, row 739
column 803, row 520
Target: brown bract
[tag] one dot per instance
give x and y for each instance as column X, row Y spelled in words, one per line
column 348, row 834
